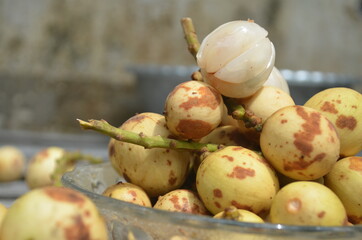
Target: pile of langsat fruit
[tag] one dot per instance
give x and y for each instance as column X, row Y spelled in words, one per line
column 233, row 144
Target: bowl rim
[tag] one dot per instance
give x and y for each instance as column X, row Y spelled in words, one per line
column 202, row 221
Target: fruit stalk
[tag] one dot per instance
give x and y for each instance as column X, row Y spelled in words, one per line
column 238, row 112
column 69, row 159
column 140, row 139
column 190, row 36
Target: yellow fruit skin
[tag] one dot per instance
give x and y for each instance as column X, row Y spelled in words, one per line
column 242, row 216
column 3, row 211
column 128, row 192
column 236, row 176
column 343, row 107
column 157, row 171
column 55, row 213
column 345, row 180
column 300, row 143
column 12, row 163
column 42, row 166
column 307, row 203
column 181, row 200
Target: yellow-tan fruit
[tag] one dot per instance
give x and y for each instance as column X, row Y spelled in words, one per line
column 343, row 107
column 12, row 163
column 345, row 180
column 157, row 170
column 263, row 104
column 128, row 192
column 42, row 165
column 55, row 213
column 236, row 176
column 300, row 143
column 240, row 215
column 307, row 203
column 3, row 211
column 181, row 200
column 193, row 109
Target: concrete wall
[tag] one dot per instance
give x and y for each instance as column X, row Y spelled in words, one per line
column 63, row 59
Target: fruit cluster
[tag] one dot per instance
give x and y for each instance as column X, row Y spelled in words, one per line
column 232, row 138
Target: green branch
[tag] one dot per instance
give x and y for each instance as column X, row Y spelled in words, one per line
column 140, row 139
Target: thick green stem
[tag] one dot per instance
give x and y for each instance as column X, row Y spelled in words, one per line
column 190, row 36
column 105, row 128
column 68, row 161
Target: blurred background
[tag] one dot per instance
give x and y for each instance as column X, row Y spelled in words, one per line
column 61, row 60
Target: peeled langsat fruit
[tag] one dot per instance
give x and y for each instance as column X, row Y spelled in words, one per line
column 236, row 58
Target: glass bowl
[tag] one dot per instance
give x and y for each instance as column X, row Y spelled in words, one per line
column 130, row 221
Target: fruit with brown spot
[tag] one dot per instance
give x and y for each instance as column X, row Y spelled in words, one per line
column 157, row 170
column 12, row 163
column 266, row 101
column 236, row 176
column 300, row 142
column 345, row 180
column 307, row 203
column 42, row 165
column 181, row 200
column 193, row 109
column 56, row 213
column 241, row 215
column 343, row 107
column 128, row 192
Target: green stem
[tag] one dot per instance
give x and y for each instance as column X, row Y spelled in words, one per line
column 238, row 112
column 105, row 128
column 190, row 36
column 67, row 162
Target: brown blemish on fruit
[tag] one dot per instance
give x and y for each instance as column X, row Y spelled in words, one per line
column 208, row 97
column 193, row 129
column 241, row 206
column 172, row 178
column 302, row 163
column 63, row 194
column 329, row 107
column 283, row 121
column 237, row 148
column 241, row 173
column 346, row 122
column 217, row 193
column 310, row 128
column 137, row 118
column 132, row 193
column 294, row 205
column 77, row 231
column 355, row 163
column 321, row 214
column 229, row 158
column 217, row 204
